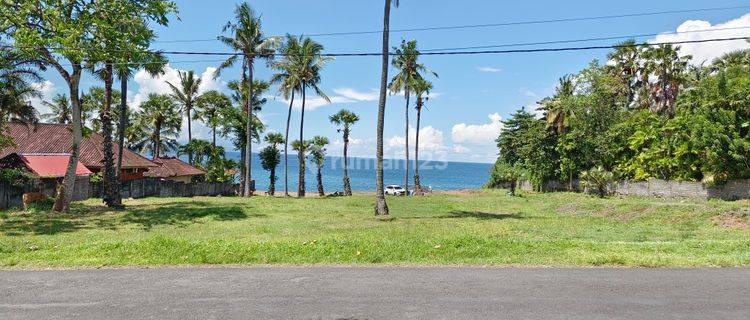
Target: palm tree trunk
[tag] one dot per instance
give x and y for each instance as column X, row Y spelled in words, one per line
column 417, row 183
column 249, row 134
column 286, row 148
column 347, row 184
column 381, row 207
column 272, row 183
column 111, row 185
column 242, row 171
column 213, row 139
column 157, row 140
column 122, row 123
column 319, row 177
column 188, row 106
column 301, row 153
column 65, row 191
column 406, row 141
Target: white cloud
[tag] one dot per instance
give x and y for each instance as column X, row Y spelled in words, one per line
column 707, row 51
column 148, row 84
column 352, row 94
column 46, row 90
column 489, row 69
column 431, row 144
column 341, row 96
column 457, row 148
column 478, row 134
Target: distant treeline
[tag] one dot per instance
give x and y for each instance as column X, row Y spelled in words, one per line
column 647, row 113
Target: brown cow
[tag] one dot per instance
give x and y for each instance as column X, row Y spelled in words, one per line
column 32, row 197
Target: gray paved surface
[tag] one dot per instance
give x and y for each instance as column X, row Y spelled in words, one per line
column 375, row 293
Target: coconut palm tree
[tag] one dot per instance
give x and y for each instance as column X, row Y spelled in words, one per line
column 625, row 66
column 381, row 207
column 200, row 149
column 421, row 89
column 345, row 119
column 301, row 146
column 186, row 93
column 154, row 64
column 409, row 69
column 307, row 65
column 557, row 109
column 249, row 42
column 318, row 155
column 16, row 74
column 289, row 84
column 270, row 158
column 209, row 107
column 235, row 120
column 669, row 68
column 59, row 108
column 161, row 114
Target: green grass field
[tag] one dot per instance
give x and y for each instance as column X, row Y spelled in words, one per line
column 478, row 228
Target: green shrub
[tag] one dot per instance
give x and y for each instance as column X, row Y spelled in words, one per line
column 596, row 181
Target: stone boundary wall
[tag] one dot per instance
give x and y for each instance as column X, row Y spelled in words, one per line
column 11, row 196
column 732, row 190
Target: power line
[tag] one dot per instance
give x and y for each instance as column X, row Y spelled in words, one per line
column 500, row 24
column 521, row 44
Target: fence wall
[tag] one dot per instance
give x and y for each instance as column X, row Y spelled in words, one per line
column 732, row 190
column 12, row 196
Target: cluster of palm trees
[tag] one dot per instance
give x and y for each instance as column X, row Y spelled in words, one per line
column 298, row 71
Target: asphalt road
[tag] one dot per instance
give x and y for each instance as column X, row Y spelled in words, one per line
column 375, row 293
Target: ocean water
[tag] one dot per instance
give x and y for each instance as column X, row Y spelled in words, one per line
column 436, row 174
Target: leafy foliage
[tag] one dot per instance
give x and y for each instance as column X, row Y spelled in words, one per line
column 597, row 181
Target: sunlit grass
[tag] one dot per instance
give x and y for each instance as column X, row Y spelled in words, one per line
column 482, row 227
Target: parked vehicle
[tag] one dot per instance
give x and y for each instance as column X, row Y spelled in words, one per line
column 395, row 190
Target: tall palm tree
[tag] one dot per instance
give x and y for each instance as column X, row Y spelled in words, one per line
column 16, row 74
column 160, row 113
column 669, row 68
column 249, row 42
column 625, row 66
column 270, row 158
column 408, row 71
column 201, row 150
column 345, row 119
column 154, row 64
column 235, row 120
column 308, row 64
column 59, row 108
column 381, row 207
column 557, row 109
column 209, row 107
column 318, row 155
column 421, row 89
column 186, row 93
column 289, row 84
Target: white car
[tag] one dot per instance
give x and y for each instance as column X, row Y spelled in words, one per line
column 395, row 190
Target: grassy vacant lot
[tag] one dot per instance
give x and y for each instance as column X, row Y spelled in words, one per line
column 478, row 227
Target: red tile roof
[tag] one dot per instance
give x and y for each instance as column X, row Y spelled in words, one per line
column 56, row 138
column 51, row 165
column 172, row 167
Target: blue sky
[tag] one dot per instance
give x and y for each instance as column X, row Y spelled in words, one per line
column 471, row 94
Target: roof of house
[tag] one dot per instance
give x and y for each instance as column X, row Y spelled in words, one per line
column 56, row 138
column 172, row 167
column 46, row 165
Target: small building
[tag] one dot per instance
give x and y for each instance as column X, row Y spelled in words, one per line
column 172, row 168
column 50, row 138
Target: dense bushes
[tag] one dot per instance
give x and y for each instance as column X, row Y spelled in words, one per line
column 645, row 114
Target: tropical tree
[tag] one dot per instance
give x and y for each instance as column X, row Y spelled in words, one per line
column 665, row 63
column 210, row 107
column 302, row 147
column 625, row 65
column 409, row 70
column 557, row 110
column 16, row 74
column 344, row 119
column 201, row 150
column 186, row 92
column 308, row 64
column 160, row 114
column 318, row 156
column 235, row 120
column 289, row 84
column 270, row 158
column 421, row 89
column 59, row 108
column 55, row 32
column 249, row 43
column 92, row 102
column 381, row 207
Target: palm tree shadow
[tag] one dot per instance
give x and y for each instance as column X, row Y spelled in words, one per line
column 483, row 215
column 183, row 213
